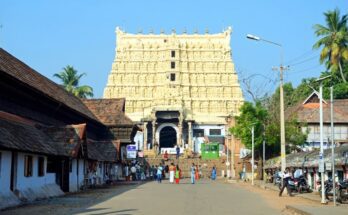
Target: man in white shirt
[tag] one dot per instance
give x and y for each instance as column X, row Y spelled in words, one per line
column 286, row 178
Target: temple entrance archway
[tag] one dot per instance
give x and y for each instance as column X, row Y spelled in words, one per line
column 167, row 135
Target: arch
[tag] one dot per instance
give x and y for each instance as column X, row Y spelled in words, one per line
column 164, row 125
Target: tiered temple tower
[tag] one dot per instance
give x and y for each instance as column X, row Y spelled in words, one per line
column 176, row 84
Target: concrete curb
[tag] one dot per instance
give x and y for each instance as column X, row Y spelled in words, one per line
column 296, row 210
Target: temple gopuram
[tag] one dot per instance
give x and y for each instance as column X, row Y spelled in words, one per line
column 181, row 88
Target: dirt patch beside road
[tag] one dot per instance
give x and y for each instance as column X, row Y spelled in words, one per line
column 273, row 200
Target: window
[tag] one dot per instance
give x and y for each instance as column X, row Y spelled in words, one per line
column 172, row 77
column 214, row 131
column 198, row 132
column 173, row 54
column 172, row 65
column 41, row 166
column 50, row 165
column 28, row 166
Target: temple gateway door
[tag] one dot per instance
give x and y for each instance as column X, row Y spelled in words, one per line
column 167, row 137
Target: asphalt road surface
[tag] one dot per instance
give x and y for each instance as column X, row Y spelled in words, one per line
column 203, row 198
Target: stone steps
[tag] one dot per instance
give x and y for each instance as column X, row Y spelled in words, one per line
column 185, row 164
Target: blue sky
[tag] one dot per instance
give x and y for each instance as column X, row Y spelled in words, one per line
column 48, row 35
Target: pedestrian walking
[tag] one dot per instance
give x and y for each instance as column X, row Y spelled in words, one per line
column 171, row 173
column 177, row 152
column 133, row 172
column 286, row 178
column 213, row 173
column 193, row 171
column 200, row 171
column 154, row 169
column 197, row 173
column 177, row 174
column 159, row 173
column 126, row 172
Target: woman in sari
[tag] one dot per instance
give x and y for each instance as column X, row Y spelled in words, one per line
column 197, row 173
column 177, row 174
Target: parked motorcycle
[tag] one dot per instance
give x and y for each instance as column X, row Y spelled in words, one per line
column 302, row 185
column 342, row 193
column 328, row 189
column 278, row 182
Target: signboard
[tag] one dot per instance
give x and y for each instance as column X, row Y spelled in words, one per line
column 131, row 151
column 328, row 166
column 171, row 151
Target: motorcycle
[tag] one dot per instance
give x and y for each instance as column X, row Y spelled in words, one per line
column 302, row 185
column 278, row 182
column 342, row 193
column 328, row 189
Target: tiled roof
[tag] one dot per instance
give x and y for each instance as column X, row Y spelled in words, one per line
column 22, row 134
column 103, row 150
column 310, row 159
column 309, row 112
column 68, row 139
column 23, row 73
column 109, row 111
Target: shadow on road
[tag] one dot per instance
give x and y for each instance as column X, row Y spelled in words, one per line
column 77, row 203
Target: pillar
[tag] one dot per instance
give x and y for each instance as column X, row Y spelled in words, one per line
column 153, row 132
column 190, row 144
column 145, row 135
column 179, row 141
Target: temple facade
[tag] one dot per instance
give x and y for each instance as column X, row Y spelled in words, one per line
column 180, row 87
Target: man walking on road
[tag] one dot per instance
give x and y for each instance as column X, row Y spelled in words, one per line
column 193, row 171
column 286, row 178
column 177, row 152
column 159, row 173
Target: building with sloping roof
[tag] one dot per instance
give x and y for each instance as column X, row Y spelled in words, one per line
column 111, row 112
column 307, row 112
column 44, row 133
column 309, row 162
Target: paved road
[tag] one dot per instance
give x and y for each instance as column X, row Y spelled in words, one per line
column 203, row 198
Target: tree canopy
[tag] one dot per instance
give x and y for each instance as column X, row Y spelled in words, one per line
column 70, row 81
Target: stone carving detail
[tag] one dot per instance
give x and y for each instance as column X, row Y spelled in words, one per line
column 203, row 80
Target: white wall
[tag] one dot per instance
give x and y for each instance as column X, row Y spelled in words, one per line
column 76, row 176
column 5, row 172
column 33, row 181
column 197, row 141
column 207, row 127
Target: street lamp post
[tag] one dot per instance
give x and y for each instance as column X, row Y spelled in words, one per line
column 282, row 123
column 332, row 147
column 321, row 153
column 252, row 155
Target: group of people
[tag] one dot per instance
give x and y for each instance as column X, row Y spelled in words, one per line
column 174, row 173
column 166, row 155
column 196, row 173
column 135, row 171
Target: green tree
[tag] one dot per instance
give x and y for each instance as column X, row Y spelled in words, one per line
column 70, row 81
column 250, row 114
column 334, row 40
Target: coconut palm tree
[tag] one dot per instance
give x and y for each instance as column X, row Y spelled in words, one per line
column 334, row 40
column 70, row 81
